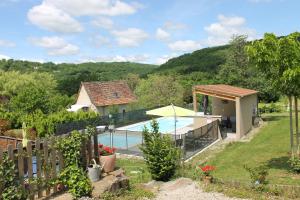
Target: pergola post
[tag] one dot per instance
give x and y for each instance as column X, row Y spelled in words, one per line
column 238, row 117
column 195, row 101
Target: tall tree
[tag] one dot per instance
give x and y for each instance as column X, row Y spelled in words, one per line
column 239, row 71
column 159, row 90
column 279, row 59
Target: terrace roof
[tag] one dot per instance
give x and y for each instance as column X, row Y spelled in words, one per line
column 223, row 91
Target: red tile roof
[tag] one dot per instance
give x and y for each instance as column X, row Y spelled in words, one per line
column 109, row 93
column 221, row 89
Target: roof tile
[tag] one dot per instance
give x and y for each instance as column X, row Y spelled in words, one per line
column 109, row 93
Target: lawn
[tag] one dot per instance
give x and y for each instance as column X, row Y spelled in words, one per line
column 269, row 146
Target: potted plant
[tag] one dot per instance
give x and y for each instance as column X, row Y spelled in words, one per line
column 107, row 158
column 206, row 170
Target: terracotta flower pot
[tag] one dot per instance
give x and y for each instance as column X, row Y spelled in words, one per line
column 207, row 179
column 108, row 162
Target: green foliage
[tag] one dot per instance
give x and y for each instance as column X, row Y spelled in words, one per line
column 159, row 90
column 294, row 162
column 70, row 147
column 9, row 186
column 29, row 100
column 269, row 107
column 45, row 124
column 73, row 176
column 204, row 60
column 258, row 174
column 279, row 59
column 160, row 153
column 238, row 71
column 76, row 180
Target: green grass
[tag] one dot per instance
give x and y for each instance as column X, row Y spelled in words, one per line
column 270, row 146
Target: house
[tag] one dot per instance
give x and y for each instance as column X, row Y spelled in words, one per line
column 102, row 96
column 236, row 106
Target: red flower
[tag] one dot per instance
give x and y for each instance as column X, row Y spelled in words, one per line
column 100, row 145
column 105, row 150
column 207, row 169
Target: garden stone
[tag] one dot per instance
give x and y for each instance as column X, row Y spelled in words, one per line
column 112, row 182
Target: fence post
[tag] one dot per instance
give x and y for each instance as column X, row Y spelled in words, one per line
column 1, row 155
column 53, row 163
column 96, row 152
column 38, row 165
column 46, row 166
column 21, row 164
column 126, row 141
column 10, row 152
column 30, row 173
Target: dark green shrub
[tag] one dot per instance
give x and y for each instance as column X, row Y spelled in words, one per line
column 294, row 162
column 76, row 181
column 160, row 154
column 73, row 175
column 9, row 186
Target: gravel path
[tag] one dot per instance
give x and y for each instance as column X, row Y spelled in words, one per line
column 186, row 189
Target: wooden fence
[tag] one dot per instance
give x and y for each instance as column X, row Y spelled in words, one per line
column 40, row 162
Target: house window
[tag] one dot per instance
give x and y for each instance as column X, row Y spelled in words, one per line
column 116, row 95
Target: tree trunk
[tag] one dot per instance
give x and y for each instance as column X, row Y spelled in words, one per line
column 291, row 124
column 296, row 118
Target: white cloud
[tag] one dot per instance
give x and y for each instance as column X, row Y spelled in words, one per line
column 94, row 7
column 69, row 49
column 141, row 58
column 163, row 59
column 99, row 40
column 169, row 25
column 162, row 34
column 103, row 22
column 131, row 37
column 221, row 32
column 51, row 18
column 6, row 43
column 56, row 46
column 184, row 45
column 4, row 57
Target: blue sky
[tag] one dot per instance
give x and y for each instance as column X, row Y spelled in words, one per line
column 147, row 31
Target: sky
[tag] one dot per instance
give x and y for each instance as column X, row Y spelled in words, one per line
column 146, row 31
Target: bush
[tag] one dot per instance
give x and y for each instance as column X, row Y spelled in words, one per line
column 160, row 154
column 73, row 176
column 269, row 107
column 295, row 163
column 76, row 180
column 9, row 186
column 258, row 174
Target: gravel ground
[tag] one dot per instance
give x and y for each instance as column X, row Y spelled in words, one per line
column 186, row 189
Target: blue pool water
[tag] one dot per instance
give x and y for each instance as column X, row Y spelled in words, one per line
column 166, row 124
column 119, row 140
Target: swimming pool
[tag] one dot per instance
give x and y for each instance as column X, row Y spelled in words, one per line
column 119, row 141
column 134, row 132
column 166, row 124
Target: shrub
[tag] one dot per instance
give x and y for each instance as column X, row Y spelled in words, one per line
column 76, row 180
column 294, row 162
column 9, row 186
column 161, row 155
column 258, row 174
column 72, row 176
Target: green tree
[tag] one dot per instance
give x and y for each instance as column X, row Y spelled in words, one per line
column 160, row 154
column 159, row 90
column 132, row 80
column 279, row 59
column 29, row 100
column 238, row 71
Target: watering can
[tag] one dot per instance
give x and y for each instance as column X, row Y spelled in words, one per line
column 94, row 171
